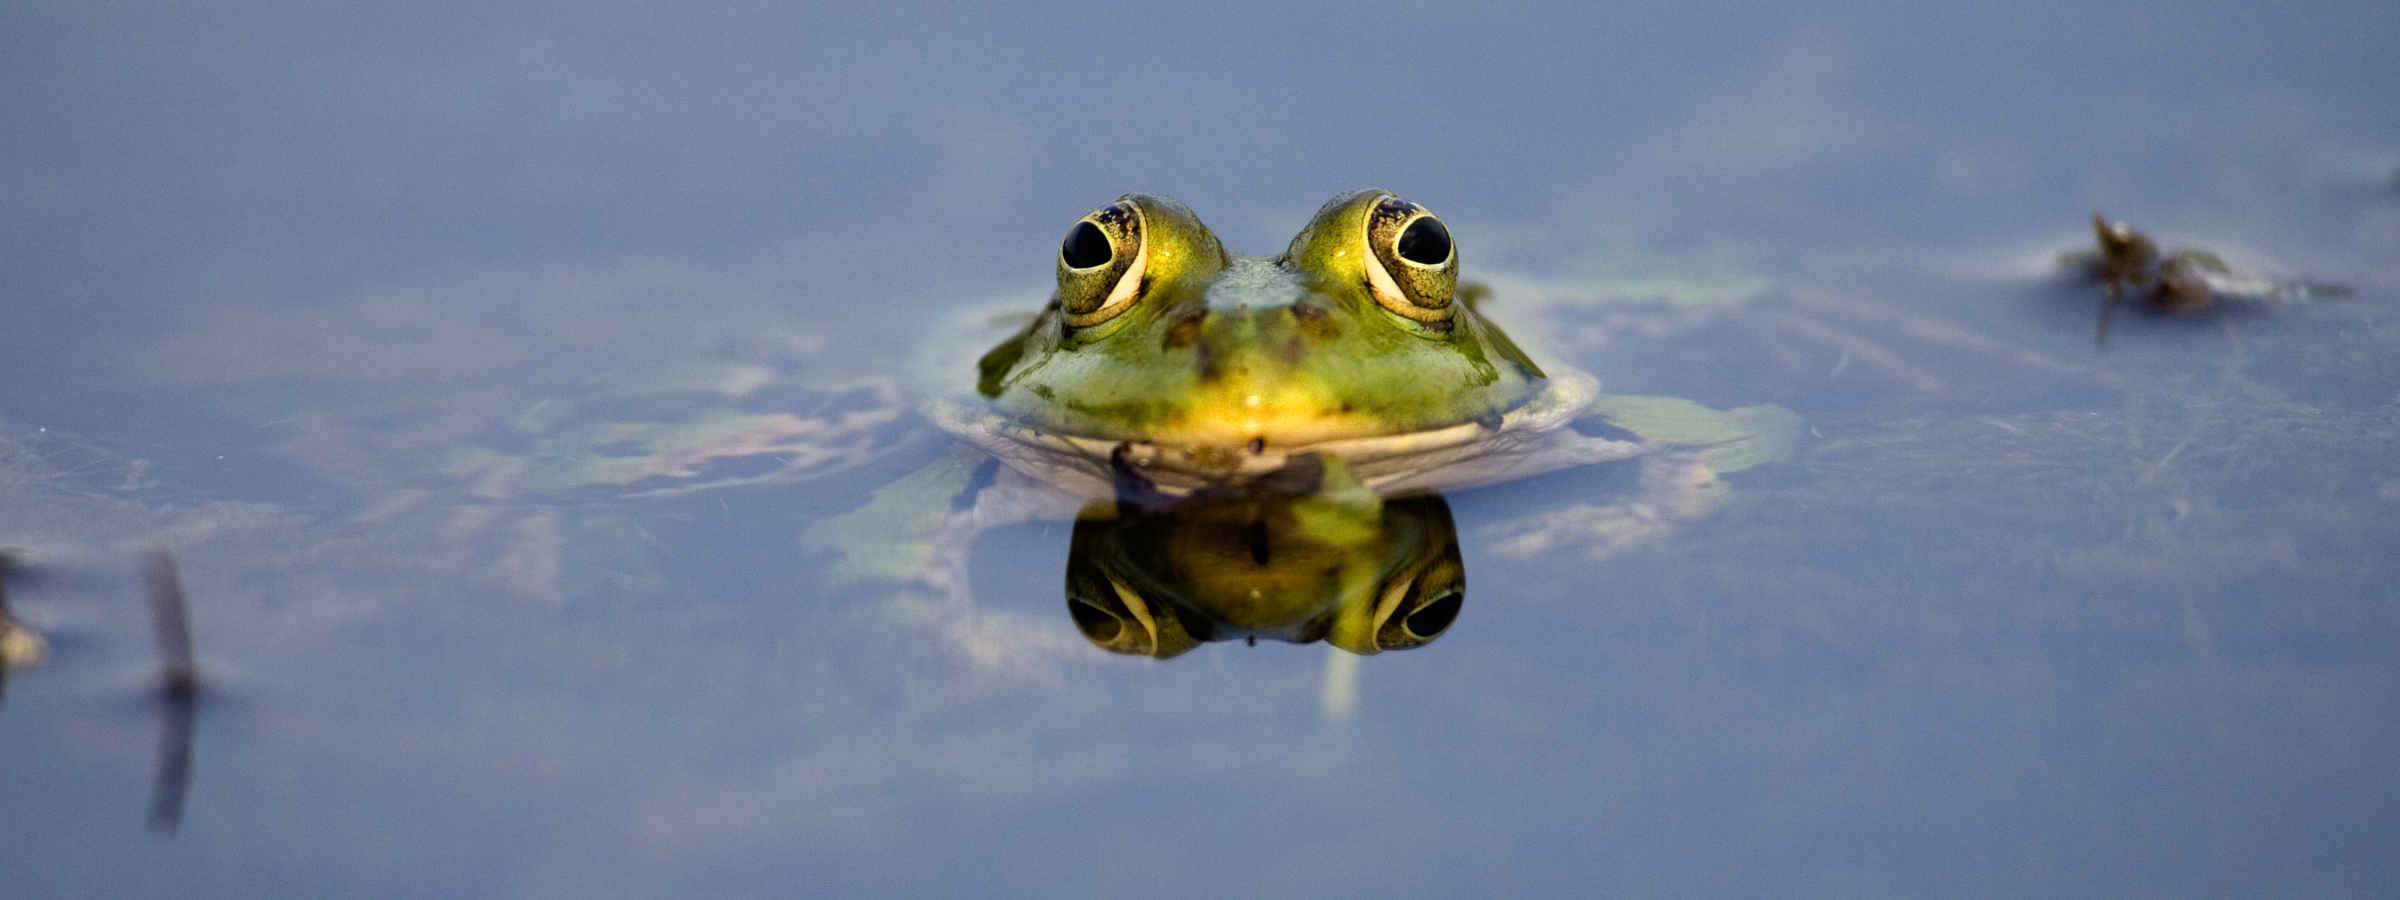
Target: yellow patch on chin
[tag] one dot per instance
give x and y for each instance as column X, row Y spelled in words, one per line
column 1234, row 414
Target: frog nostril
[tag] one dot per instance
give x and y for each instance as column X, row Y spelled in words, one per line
column 1425, row 242
column 1085, row 247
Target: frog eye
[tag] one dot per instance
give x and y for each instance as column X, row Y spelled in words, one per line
column 1115, row 617
column 1432, row 603
column 1413, row 268
column 1410, row 607
column 1101, row 263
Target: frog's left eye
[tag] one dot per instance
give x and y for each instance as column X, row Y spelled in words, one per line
column 1101, row 263
column 1413, row 266
column 1116, row 618
column 1431, row 604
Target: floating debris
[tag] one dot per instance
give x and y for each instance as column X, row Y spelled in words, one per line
column 2182, row 280
column 20, row 645
column 178, row 676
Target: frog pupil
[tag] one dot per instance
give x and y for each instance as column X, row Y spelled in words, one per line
column 1085, row 247
column 1430, row 619
column 1425, row 242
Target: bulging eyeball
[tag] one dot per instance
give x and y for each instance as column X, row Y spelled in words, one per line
column 1413, row 268
column 1395, row 251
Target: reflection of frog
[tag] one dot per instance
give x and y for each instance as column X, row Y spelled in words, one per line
column 1300, row 554
column 1165, row 364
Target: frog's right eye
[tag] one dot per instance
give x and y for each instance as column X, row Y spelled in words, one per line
column 1101, row 264
column 1424, row 617
column 1412, row 607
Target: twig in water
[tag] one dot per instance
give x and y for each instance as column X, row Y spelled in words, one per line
column 178, row 686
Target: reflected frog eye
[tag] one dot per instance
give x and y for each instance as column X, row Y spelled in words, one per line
column 1431, row 601
column 1101, row 264
column 1430, row 620
column 1117, row 619
column 1427, row 619
column 1413, row 266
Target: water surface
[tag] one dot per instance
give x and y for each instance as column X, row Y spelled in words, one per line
column 319, row 297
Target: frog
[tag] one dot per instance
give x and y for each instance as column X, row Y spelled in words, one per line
column 1341, row 386
column 1284, row 416
column 1207, row 367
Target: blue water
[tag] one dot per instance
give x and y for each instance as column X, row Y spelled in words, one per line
column 2022, row 617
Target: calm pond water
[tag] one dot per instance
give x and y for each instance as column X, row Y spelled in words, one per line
column 494, row 376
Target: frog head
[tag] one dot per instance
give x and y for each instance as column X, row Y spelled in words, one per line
column 1157, row 334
